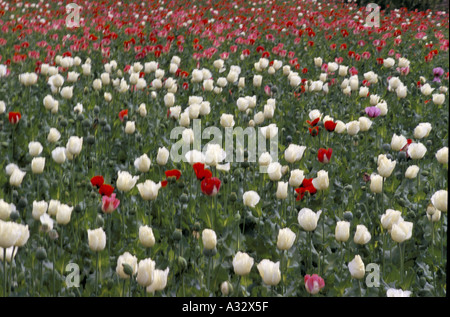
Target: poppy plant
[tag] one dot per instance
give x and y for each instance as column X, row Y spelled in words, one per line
column 324, row 155
column 122, row 114
column 306, row 186
column 314, row 131
column 373, row 112
column 171, row 175
column 106, row 190
column 201, row 172
column 210, row 186
column 97, row 181
column 314, row 122
column 330, row 125
column 314, row 283
column 109, row 204
column 14, row 117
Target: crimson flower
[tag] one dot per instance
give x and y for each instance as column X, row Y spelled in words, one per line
column 314, row 122
column 330, row 125
column 171, row 174
column 201, row 172
column 210, row 186
column 306, row 186
column 106, row 190
column 14, row 117
column 324, row 155
column 314, row 131
column 122, row 114
column 97, row 181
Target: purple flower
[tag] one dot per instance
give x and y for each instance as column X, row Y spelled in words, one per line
column 438, row 72
column 373, row 112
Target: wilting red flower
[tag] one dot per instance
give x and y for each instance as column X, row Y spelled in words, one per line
column 314, row 122
column 314, row 131
column 330, row 125
column 97, row 181
column 324, row 155
column 122, row 114
column 14, row 117
column 210, row 186
column 201, row 172
column 109, row 204
column 106, row 190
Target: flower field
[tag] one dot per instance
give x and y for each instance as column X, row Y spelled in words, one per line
column 222, row 148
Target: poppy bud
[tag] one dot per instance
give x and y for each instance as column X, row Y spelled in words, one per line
column 41, row 254
column 177, row 234
column 23, row 202
column 127, row 269
column 348, row 216
column 182, row 263
column 90, row 140
column 14, row 215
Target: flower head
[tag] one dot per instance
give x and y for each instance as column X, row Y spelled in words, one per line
column 314, row 283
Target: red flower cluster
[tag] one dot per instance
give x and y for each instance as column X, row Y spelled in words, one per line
column 103, row 189
column 306, row 186
column 210, row 185
column 171, row 173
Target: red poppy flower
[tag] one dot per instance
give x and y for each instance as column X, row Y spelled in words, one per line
column 173, row 173
column 324, row 155
column 306, row 186
column 14, row 117
column 97, row 181
column 122, row 114
column 314, row 131
column 106, row 190
column 314, row 122
column 330, row 125
column 201, row 172
column 210, row 186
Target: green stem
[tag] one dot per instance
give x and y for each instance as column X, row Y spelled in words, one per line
column 96, row 276
column 209, row 272
column 401, row 262
column 360, row 289
column 4, row 273
column 109, row 232
column 53, row 269
column 310, row 251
